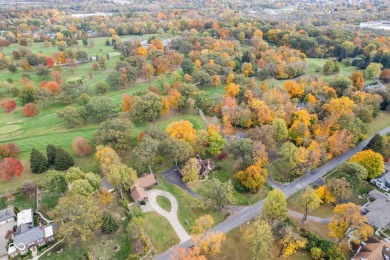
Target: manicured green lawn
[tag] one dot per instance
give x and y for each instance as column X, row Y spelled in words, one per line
column 160, row 232
column 19, row 200
column 380, row 122
column 190, row 208
column 324, row 211
column 164, row 203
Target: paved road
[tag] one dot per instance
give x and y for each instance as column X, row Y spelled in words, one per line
column 252, row 211
column 171, row 216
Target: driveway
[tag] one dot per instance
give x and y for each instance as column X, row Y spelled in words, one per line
column 172, row 176
column 316, row 219
column 3, row 242
column 170, row 216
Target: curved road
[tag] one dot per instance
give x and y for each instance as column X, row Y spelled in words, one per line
column 252, row 211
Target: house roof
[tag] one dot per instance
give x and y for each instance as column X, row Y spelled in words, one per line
column 147, row 180
column 25, row 217
column 379, row 210
column 377, row 194
column 30, row 236
column 107, row 184
column 22, row 228
column 372, row 251
column 7, row 213
column 138, row 193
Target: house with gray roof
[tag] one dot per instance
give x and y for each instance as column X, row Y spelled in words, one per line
column 378, row 210
column 28, row 237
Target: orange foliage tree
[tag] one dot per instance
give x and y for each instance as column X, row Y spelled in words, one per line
column 30, row 109
column 182, row 130
column 81, row 147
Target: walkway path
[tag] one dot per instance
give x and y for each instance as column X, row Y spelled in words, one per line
column 42, row 217
column 316, row 219
column 170, row 216
column 252, row 211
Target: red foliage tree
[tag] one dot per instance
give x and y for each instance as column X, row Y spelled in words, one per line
column 51, row 86
column 80, row 146
column 10, row 167
column 50, row 62
column 30, row 109
column 8, row 105
column 154, row 90
column 9, row 150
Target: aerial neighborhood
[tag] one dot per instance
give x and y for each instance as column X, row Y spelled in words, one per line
column 194, row 130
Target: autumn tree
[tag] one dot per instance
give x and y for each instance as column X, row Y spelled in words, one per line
column 106, row 156
column 258, row 235
column 8, row 105
column 232, row 89
column 294, row 89
column 275, row 207
column 177, row 150
column 357, row 80
column 372, row 161
column 81, row 217
column 220, row 194
column 100, row 108
column 340, row 188
column 10, row 167
column 182, row 130
column 121, row 177
column 308, row 200
column 81, row 146
column 116, row 133
column 38, row 161
column 325, row 194
column 146, row 107
column 373, row 69
column 9, row 150
column 253, row 178
column 281, row 130
column 145, row 153
column 56, row 181
column 290, row 241
column 242, row 148
column 216, row 142
column 347, row 220
column 30, row 110
column 190, row 171
column 202, row 224
column 209, row 243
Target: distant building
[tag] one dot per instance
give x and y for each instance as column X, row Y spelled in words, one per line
column 147, row 180
column 377, row 25
column 25, row 217
column 138, row 194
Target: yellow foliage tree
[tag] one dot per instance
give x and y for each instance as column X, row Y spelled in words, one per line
column 253, row 178
column 209, row 243
column 348, row 220
column 202, row 224
column 230, row 78
column 232, row 89
column 165, row 106
column 106, row 156
column 182, row 130
column 247, row 69
column 325, row 195
column 340, row 106
column 294, row 89
column 291, row 242
column 216, row 80
column 372, row 161
column 142, row 51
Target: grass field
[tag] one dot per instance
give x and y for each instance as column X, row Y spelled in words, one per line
column 160, row 232
column 164, row 203
column 380, row 122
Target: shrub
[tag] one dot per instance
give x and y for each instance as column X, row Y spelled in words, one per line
column 9, row 150
column 8, row 105
column 30, row 110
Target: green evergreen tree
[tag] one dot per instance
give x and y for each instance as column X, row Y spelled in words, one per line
column 108, row 42
column 63, row 160
column 109, row 225
column 38, row 161
column 376, row 143
column 51, row 153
